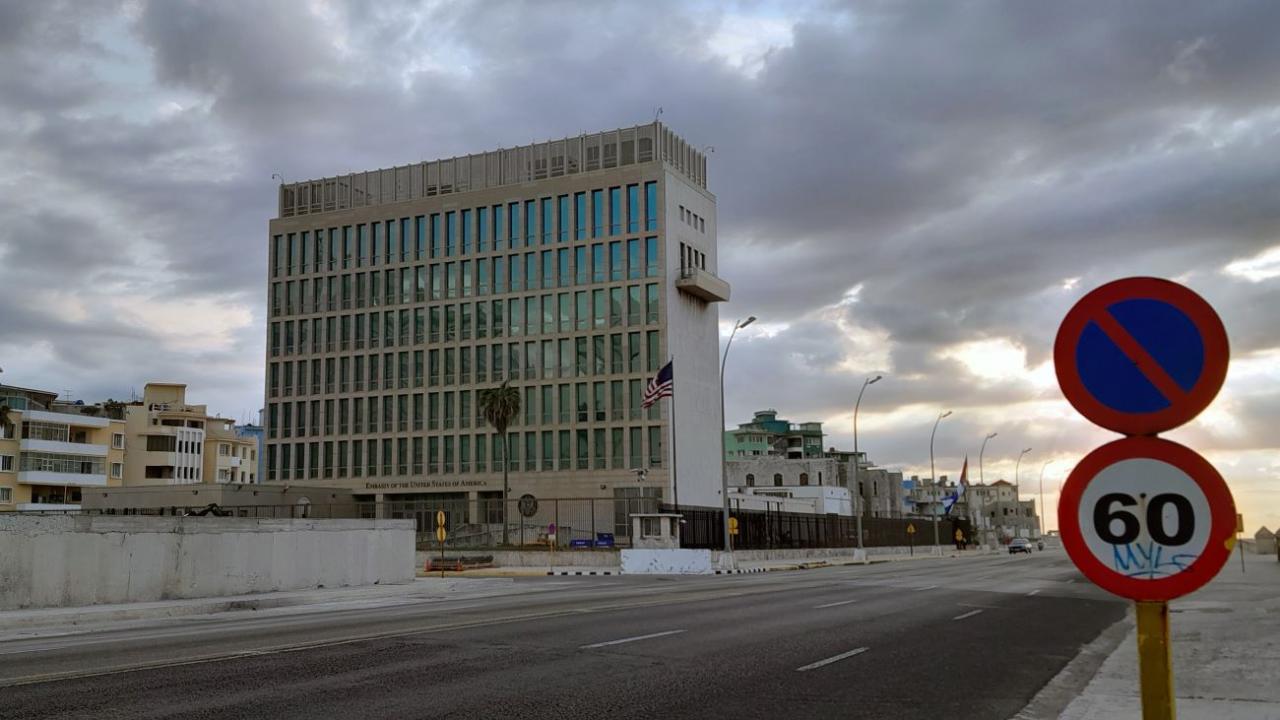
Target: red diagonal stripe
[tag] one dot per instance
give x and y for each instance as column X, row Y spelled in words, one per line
column 1145, row 363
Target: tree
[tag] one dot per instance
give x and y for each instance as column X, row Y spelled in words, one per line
column 500, row 406
column 4, row 419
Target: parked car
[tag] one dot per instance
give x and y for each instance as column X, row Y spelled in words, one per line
column 1020, row 545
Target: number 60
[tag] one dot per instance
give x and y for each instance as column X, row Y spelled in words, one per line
column 1104, row 515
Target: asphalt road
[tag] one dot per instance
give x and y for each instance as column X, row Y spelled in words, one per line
column 942, row 638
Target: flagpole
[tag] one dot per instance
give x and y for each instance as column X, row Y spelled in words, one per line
column 675, row 483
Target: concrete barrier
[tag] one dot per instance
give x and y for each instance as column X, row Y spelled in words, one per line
column 666, row 562
column 67, row 561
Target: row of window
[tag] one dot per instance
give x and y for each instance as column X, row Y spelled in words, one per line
column 62, row 463
column 619, row 306
column 691, row 258
column 462, row 232
column 583, row 356
column 614, row 448
column 693, row 219
column 563, row 404
column 509, row 273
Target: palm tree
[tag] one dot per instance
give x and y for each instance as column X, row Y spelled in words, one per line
column 500, row 406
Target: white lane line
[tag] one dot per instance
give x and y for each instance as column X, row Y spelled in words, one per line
column 828, row 661
column 1033, row 592
column 630, row 639
column 926, row 587
column 971, row 613
column 842, row 602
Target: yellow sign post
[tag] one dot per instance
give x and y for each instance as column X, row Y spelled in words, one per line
column 733, row 526
column 1154, row 668
column 911, row 537
column 441, row 534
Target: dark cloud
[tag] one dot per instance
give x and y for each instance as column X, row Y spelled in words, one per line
column 970, row 168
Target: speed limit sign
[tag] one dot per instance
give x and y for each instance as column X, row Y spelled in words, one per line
column 1147, row 519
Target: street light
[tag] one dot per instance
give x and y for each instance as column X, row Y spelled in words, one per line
column 1044, row 513
column 933, row 477
column 981, row 480
column 856, row 488
column 724, row 465
column 1017, row 486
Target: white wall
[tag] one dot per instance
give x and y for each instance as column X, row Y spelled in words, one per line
column 693, row 334
column 67, row 561
column 666, row 562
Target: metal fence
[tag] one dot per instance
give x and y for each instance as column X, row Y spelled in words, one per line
column 764, row 529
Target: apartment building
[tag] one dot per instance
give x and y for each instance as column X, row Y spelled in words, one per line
column 170, row 442
column 50, row 452
column 766, row 435
column 573, row 269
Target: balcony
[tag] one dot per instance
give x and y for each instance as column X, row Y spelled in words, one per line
column 47, row 477
column 62, row 447
column 702, row 284
column 73, row 420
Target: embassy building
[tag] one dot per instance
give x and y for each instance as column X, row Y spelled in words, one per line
column 573, row 269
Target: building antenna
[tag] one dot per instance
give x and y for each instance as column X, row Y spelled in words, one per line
column 656, row 112
column 278, row 176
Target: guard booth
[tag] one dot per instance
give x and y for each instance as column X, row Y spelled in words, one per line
column 655, row 531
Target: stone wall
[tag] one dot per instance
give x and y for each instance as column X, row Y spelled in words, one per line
column 66, row 561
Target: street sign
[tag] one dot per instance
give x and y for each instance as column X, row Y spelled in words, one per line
column 1147, row 519
column 911, row 528
column 441, row 534
column 1141, row 355
column 439, row 518
column 733, row 526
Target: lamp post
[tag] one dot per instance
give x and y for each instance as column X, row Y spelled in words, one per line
column 856, row 487
column 933, row 477
column 981, row 450
column 1017, row 487
column 1044, row 514
column 724, row 465
column 981, row 479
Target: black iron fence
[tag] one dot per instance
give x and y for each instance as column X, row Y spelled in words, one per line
column 766, row 529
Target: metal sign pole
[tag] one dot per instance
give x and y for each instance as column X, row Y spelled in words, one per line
column 1155, row 671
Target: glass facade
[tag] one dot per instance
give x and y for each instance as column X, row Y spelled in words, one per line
column 396, row 324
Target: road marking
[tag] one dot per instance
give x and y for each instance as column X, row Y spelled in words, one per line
column 837, row 658
column 926, row 587
column 1033, row 592
column 984, row 607
column 971, row 613
column 842, row 602
column 631, row 639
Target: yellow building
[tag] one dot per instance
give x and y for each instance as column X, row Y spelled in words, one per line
column 51, row 451
column 172, row 443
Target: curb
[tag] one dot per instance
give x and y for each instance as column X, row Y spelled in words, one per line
column 583, row 572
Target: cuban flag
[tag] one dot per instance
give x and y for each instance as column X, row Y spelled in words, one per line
column 660, row 386
column 950, row 501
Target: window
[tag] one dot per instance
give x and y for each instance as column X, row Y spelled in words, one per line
column 804, row 478
column 6, row 496
column 117, row 470
column 6, row 463
column 777, row 479
column 651, row 206
column 751, row 480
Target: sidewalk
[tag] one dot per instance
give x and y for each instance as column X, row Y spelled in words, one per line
column 1226, row 652
column 49, row 621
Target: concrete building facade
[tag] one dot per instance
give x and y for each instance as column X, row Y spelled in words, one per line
column 169, row 442
column 52, row 452
column 572, row 269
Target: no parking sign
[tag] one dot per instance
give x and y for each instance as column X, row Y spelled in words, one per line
column 1143, row 517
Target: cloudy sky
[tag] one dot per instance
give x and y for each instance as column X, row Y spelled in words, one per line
column 920, row 190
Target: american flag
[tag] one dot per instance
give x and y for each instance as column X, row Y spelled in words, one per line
column 660, row 386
